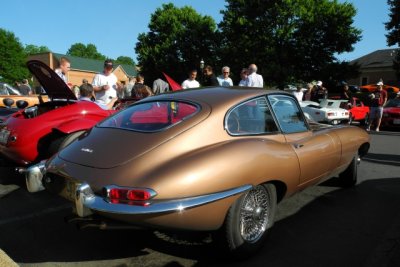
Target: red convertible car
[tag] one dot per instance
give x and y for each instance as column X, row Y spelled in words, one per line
column 358, row 111
column 35, row 133
column 213, row 159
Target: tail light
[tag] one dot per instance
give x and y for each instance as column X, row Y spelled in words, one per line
column 126, row 195
column 331, row 114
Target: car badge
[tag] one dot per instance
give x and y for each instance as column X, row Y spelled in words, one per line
column 88, row 150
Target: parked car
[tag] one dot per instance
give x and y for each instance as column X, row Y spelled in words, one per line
column 357, row 110
column 391, row 113
column 211, row 159
column 372, row 88
column 327, row 111
column 35, row 133
column 7, row 91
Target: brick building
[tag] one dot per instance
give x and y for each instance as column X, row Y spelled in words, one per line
column 84, row 68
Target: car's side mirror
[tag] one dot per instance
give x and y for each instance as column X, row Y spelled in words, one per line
column 8, row 102
column 21, row 104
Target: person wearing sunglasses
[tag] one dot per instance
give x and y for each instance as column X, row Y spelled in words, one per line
column 224, row 79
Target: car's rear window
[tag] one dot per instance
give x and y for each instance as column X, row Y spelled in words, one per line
column 151, row 116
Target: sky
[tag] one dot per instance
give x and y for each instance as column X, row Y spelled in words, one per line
column 113, row 26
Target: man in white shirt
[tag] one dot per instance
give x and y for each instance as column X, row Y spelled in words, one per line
column 299, row 93
column 191, row 81
column 224, row 79
column 105, row 84
column 254, row 79
column 62, row 70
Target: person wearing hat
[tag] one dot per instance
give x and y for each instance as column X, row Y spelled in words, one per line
column 378, row 100
column 105, row 84
column 319, row 92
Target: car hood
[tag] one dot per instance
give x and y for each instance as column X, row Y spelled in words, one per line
column 54, row 86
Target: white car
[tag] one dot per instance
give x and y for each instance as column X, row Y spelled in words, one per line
column 327, row 111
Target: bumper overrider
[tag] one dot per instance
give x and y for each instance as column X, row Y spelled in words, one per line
column 86, row 202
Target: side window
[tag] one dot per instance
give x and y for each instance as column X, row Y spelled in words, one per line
column 287, row 113
column 252, row 117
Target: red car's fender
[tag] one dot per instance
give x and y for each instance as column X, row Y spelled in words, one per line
column 75, row 125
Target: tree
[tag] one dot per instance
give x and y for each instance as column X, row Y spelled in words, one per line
column 12, row 58
column 393, row 37
column 288, row 39
column 33, row 49
column 85, row 51
column 125, row 60
column 177, row 41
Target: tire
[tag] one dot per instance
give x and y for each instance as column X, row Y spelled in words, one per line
column 348, row 177
column 248, row 221
column 62, row 141
column 365, row 120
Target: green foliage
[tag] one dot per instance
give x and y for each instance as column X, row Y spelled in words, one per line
column 287, row 39
column 393, row 27
column 12, row 58
column 178, row 39
column 33, row 49
column 85, row 51
column 125, row 60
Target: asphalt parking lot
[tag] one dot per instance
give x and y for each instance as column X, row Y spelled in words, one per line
column 322, row 226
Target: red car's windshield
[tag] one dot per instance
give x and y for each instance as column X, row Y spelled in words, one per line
column 151, row 116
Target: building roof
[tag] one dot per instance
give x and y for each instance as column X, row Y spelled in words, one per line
column 377, row 59
column 93, row 65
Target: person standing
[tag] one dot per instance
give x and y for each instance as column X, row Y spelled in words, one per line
column 345, row 94
column 319, row 92
column 86, row 94
column 307, row 94
column 224, row 79
column 191, row 82
column 63, row 69
column 129, row 86
column 254, row 79
column 25, row 88
column 209, row 78
column 105, row 84
column 243, row 77
column 160, row 86
column 140, row 90
column 378, row 100
column 299, row 93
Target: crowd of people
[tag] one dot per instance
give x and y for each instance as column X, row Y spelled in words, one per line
column 105, row 89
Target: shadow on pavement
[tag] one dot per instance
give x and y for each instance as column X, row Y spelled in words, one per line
column 343, row 227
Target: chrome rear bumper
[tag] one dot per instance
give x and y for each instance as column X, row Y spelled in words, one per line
column 86, row 202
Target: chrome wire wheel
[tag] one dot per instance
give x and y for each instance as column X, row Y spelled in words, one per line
column 248, row 221
column 254, row 214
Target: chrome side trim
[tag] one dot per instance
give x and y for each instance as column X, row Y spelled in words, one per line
column 85, row 198
column 34, row 176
